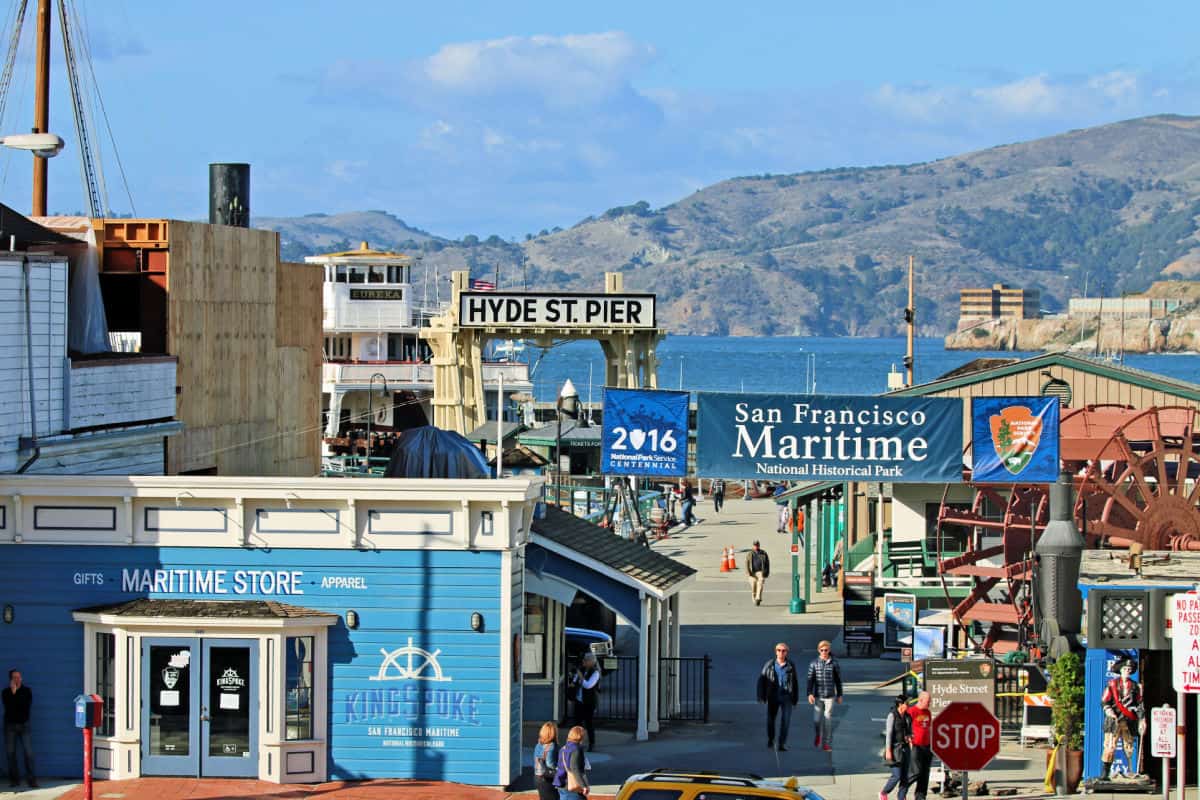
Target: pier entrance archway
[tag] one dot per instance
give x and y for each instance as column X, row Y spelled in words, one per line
column 624, row 325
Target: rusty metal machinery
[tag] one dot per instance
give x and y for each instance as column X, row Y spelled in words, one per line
column 1135, row 476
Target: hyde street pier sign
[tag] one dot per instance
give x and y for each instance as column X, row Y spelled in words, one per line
column 824, row 437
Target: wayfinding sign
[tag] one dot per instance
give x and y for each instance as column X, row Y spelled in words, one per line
column 953, row 680
column 566, row 310
column 822, row 437
column 1185, row 642
column 645, row 433
column 965, row 736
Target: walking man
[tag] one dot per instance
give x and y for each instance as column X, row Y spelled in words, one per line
column 758, row 567
column 779, row 688
column 718, row 495
column 17, row 699
column 920, row 725
column 824, row 688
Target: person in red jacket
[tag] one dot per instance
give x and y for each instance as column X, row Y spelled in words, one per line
column 920, row 725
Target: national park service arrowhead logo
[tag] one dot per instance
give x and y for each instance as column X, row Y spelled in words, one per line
column 1016, row 433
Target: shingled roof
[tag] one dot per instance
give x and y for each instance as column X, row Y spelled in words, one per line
column 642, row 564
column 220, row 609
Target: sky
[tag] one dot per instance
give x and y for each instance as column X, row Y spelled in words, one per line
column 512, row 117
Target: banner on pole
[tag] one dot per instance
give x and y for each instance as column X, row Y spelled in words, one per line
column 822, row 437
column 645, row 433
column 1014, row 439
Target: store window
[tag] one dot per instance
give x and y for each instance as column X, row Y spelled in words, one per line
column 533, row 655
column 299, row 685
column 106, row 681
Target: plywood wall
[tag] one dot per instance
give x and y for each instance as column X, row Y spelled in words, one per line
column 247, row 331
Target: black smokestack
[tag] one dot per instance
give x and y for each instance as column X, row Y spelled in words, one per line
column 229, row 195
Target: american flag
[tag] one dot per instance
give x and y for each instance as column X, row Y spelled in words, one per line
column 482, row 286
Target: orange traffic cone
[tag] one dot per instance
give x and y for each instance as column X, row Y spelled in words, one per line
column 724, row 559
column 732, row 561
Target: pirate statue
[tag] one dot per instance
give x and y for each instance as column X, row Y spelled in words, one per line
column 1123, row 713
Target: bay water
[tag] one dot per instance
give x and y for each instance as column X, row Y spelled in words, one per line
column 788, row 365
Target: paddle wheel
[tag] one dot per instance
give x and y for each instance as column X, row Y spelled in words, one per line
column 1135, row 474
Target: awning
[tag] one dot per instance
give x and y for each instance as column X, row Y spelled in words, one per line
column 566, row 551
column 803, row 491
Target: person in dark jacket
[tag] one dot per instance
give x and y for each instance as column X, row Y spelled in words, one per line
column 758, row 567
column 824, row 688
column 718, row 495
column 895, row 749
column 18, row 700
column 688, row 507
column 585, row 685
column 779, row 688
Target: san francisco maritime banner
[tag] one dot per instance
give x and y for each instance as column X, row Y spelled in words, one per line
column 825, row 437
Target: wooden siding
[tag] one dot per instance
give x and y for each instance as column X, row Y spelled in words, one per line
column 247, row 331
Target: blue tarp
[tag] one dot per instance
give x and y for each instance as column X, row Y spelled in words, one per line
column 429, row 452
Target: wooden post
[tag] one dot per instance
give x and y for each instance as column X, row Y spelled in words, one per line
column 41, row 105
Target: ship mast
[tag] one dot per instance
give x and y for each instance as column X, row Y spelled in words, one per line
column 41, row 106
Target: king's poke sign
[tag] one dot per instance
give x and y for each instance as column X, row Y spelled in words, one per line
column 1185, row 642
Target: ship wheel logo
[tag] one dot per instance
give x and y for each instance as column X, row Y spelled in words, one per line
column 409, row 663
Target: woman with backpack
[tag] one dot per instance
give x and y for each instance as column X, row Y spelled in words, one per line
column 895, row 749
column 571, row 775
column 545, row 762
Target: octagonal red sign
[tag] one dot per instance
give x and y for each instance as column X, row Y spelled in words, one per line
column 965, row 736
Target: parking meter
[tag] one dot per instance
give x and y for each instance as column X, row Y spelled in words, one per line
column 89, row 714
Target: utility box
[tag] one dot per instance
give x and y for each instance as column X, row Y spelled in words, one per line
column 89, row 711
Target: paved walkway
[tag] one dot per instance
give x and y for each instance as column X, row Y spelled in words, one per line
column 719, row 619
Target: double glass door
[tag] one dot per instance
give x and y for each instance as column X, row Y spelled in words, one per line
column 199, row 707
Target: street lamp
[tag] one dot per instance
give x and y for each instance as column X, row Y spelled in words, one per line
column 371, row 411
column 42, row 145
column 567, row 405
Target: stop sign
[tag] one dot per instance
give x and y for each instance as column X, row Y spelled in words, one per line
column 965, row 736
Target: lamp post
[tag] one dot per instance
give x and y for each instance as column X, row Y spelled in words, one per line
column 371, row 411
column 567, row 405
column 798, row 604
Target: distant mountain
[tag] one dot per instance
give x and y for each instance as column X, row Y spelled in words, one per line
column 330, row 233
column 826, row 253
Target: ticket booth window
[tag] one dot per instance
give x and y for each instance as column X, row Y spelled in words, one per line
column 299, row 679
column 106, row 681
column 533, row 657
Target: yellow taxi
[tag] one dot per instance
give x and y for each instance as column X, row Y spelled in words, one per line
column 669, row 784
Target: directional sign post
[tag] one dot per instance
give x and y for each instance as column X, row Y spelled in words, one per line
column 966, row 737
column 1162, row 741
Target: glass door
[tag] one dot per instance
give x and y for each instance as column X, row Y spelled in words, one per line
column 229, row 708
column 170, row 702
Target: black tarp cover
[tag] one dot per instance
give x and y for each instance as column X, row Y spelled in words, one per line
column 429, row 452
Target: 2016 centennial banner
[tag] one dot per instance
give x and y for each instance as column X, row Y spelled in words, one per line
column 820, row 437
column 645, row 432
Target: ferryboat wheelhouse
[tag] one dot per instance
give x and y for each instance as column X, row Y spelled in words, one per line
column 376, row 367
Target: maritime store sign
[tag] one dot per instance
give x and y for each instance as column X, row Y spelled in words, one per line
column 825, row 437
column 535, row 310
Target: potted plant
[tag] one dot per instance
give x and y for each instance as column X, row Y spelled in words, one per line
column 1066, row 692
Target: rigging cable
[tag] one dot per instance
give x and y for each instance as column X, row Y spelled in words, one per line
column 17, row 19
column 99, row 99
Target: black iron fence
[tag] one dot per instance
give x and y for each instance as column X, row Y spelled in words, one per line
column 683, row 688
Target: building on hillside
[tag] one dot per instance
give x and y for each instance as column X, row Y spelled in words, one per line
column 243, row 330
column 310, row 629
column 1000, row 302
column 1090, row 308
column 70, row 406
column 375, row 363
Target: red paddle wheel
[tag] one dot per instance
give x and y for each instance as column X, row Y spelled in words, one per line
column 1135, row 477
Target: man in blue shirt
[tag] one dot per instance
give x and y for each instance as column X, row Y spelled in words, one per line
column 779, row 688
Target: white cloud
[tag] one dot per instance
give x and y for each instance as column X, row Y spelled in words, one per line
column 1032, row 95
column 1118, row 84
column 916, row 102
column 345, row 170
column 562, row 70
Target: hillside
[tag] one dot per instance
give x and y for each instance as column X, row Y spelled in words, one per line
column 826, row 252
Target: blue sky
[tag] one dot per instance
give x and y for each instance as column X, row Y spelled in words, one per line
column 507, row 118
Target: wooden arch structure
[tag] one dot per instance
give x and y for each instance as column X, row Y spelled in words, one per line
column 629, row 341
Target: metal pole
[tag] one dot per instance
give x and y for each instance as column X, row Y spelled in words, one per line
column 912, row 322
column 558, row 462
column 822, row 508
column 808, row 540
column 41, row 104
column 87, row 764
column 370, row 416
column 500, row 426
column 797, row 605
column 966, row 792
column 1181, row 743
column 1166, row 778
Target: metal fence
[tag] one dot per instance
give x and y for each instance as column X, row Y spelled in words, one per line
column 1012, row 682
column 683, row 688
